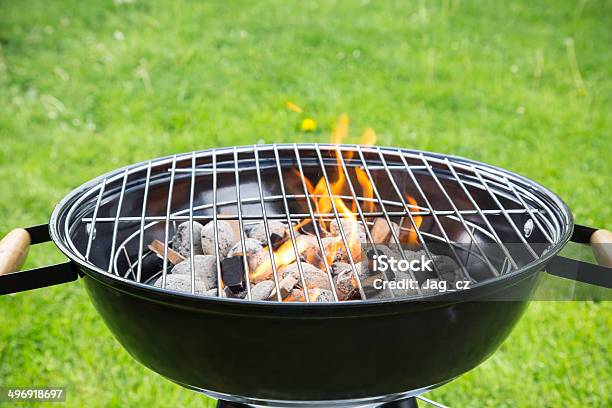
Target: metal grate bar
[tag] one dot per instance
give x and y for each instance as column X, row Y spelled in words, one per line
column 437, row 221
column 267, row 230
column 191, row 246
column 92, row 228
column 452, row 203
column 315, row 224
column 386, row 215
column 482, row 216
column 216, row 226
column 241, row 224
column 359, row 209
column 142, row 223
column 297, row 216
column 337, row 217
column 508, row 218
column 529, row 210
column 408, row 212
column 167, row 224
column 116, row 224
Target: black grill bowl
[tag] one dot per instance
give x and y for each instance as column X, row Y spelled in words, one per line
column 266, row 351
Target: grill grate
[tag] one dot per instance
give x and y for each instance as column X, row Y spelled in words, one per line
column 489, row 206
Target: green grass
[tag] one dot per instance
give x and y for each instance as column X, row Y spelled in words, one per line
column 86, row 87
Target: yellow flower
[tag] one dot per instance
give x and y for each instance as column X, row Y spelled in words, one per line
column 308, row 125
column 293, row 107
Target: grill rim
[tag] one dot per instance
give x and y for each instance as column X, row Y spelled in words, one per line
column 56, row 228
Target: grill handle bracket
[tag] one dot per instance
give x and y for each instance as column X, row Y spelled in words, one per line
column 601, row 244
column 13, row 252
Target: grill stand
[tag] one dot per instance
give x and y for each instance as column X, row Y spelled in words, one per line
column 410, row 402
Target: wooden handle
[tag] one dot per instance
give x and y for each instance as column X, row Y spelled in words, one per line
column 13, row 250
column 601, row 242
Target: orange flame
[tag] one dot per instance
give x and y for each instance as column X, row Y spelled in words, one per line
column 418, row 220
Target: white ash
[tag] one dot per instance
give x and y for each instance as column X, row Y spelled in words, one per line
column 314, row 277
column 205, row 269
column 181, row 241
column 182, row 283
column 225, row 236
column 252, row 247
column 214, row 292
column 258, row 231
column 315, row 295
column 347, row 286
column 264, row 290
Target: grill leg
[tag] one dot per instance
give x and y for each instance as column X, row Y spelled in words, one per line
column 403, row 403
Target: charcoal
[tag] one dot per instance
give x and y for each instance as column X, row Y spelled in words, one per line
column 261, row 257
column 225, row 236
column 278, row 231
column 182, row 283
column 264, row 290
column 252, row 246
column 214, row 292
column 381, row 232
column 296, row 295
column 228, row 293
column 286, row 285
column 205, row 269
column 338, row 267
column 232, row 271
column 181, row 241
column 346, row 284
column 448, row 269
column 314, row 277
column 335, row 249
column 348, row 225
column 323, row 295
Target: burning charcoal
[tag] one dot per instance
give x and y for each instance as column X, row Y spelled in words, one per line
column 277, row 230
column 264, row 290
column 225, row 235
column 381, row 233
column 296, row 295
column 232, row 270
column 260, row 266
column 347, row 286
column 370, row 285
column 314, row 277
column 338, row 267
column 181, row 241
column 182, row 283
column 348, row 225
column 252, row 246
column 205, row 269
column 158, row 248
column 336, row 251
column 320, row 295
column 287, row 284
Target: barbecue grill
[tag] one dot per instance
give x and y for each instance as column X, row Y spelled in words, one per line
column 499, row 228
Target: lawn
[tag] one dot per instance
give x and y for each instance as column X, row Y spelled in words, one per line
column 86, row 87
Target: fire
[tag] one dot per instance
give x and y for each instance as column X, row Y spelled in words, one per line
column 418, row 219
column 324, row 203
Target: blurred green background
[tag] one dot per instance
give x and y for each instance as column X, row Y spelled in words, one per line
column 86, row 87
